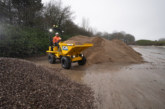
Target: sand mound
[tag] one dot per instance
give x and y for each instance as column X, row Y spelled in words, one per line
column 78, row 40
column 24, row 85
column 107, row 51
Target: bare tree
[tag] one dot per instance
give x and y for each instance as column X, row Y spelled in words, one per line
column 55, row 14
column 26, row 10
column 85, row 24
column 5, row 10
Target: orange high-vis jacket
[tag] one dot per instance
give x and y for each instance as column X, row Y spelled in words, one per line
column 56, row 39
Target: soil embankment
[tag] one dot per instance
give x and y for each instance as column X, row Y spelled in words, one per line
column 107, row 51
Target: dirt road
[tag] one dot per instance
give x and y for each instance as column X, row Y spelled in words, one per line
column 135, row 86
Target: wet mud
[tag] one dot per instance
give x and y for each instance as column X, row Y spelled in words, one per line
column 124, row 85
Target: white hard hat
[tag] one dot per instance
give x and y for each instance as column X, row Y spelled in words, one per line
column 57, row 33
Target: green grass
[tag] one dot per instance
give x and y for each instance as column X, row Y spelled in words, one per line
column 149, row 42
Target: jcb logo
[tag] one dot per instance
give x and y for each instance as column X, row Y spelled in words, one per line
column 64, row 48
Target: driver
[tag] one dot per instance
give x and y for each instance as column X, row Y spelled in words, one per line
column 56, row 39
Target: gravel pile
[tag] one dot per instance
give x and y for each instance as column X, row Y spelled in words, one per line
column 24, row 85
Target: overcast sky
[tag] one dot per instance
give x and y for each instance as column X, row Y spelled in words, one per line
column 145, row 19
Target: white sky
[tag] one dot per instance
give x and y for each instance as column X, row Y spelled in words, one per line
column 145, row 19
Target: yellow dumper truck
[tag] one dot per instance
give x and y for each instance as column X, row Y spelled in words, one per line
column 67, row 53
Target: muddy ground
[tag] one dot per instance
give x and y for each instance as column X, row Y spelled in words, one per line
column 123, row 86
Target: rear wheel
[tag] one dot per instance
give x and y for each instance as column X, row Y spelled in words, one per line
column 51, row 58
column 83, row 61
column 66, row 62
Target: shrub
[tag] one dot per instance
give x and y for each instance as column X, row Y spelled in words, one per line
column 18, row 41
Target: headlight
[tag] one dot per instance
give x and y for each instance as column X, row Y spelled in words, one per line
column 74, row 56
column 50, row 30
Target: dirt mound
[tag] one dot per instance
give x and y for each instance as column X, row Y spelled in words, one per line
column 107, row 51
column 73, row 42
column 24, row 85
column 78, row 40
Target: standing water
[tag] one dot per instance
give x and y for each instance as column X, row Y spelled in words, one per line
column 136, row 86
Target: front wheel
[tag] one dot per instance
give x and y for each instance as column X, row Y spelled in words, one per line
column 83, row 61
column 66, row 62
column 51, row 58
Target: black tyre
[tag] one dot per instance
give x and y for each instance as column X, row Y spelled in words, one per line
column 66, row 62
column 83, row 61
column 51, row 58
